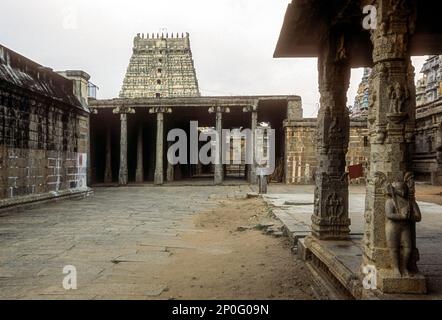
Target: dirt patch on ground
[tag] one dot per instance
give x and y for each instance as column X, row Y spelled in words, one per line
column 229, row 259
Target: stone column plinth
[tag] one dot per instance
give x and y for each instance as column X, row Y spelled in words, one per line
column 389, row 243
column 253, row 179
column 330, row 220
column 139, row 174
column 159, row 168
column 123, row 172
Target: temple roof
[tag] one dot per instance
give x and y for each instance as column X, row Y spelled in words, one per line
column 26, row 74
column 307, row 21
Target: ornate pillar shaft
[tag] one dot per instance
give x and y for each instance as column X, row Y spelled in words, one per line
column 252, row 177
column 390, row 238
column 330, row 219
column 139, row 175
column 159, row 174
column 219, row 169
column 122, row 175
column 159, row 167
column 219, row 166
column 108, row 157
column 252, row 168
column 123, row 172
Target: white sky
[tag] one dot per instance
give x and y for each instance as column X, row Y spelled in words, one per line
column 232, row 42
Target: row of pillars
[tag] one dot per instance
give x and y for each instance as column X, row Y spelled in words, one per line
column 123, row 111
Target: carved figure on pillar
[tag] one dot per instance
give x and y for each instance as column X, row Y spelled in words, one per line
column 402, row 213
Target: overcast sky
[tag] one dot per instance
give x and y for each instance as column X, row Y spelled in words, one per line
column 232, row 42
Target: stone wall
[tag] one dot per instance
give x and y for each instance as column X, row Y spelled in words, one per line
column 300, row 154
column 427, row 163
column 43, row 133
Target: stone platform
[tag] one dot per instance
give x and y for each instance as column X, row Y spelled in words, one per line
column 293, row 206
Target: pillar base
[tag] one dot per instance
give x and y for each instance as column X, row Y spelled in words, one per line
column 327, row 230
column 328, row 233
column 139, row 178
column 158, row 179
column 122, row 179
column 389, row 283
column 262, row 184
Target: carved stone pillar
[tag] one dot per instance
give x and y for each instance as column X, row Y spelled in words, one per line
column 330, row 219
column 390, row 188
column 159, row 169
column 108, row 157
column 139, row 174
column 219, row 166
column 253, row 179
column 123, row 172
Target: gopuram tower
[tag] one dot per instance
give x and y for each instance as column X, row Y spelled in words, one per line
column 160, row 66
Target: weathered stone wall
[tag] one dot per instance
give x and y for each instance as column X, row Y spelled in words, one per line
column 427, row 164
column 301, row 159
column 42, row 148
column 43, row 133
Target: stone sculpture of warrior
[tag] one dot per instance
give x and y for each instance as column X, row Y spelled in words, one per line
column 401, row 215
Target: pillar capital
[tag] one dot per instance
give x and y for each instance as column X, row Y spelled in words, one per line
column 123, row 110
column 251, row 108
column 219, row 109
column 160, row 110
column 93, row 110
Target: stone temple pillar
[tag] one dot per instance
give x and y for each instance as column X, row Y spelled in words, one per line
column 219, row 169
column 139, row 175
column 391, row 212
column 108, row 157
column 219, row 166
column 253, row 179
column 123, row 172
column 330, row 219
column 159, row 168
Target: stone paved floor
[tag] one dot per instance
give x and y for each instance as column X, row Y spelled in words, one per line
column 99, row 235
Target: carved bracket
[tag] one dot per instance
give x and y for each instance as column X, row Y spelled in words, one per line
column 160, row 110
column 252, row 108
column 123, row 110
column 219, row 110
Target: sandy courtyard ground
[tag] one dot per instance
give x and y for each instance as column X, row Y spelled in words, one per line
column 235, row 262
